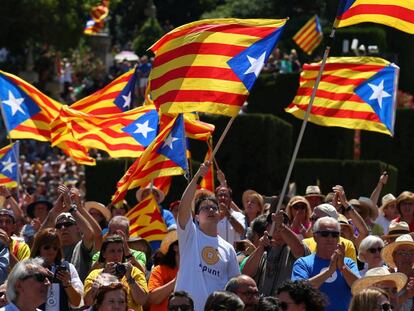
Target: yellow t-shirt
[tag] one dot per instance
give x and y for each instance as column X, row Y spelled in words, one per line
column 350, row 251
column 138, row 276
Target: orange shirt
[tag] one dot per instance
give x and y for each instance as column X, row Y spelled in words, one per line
column 160, row 276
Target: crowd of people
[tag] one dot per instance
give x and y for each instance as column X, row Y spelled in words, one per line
column 318, row 252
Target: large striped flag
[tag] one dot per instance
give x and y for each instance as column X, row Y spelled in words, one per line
column 145, row 220
column 398, row 14
column 309, row 36
column 166, row 156
column 27, row 111
column 9, row 165
column 115, row 97
column 124, row 134
column 354, row 92
column 211, row 65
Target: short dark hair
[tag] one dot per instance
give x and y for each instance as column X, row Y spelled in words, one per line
column 268, row 303
column 259, row 225
column 302, row 291
column 223, row 300
column 182, row 294
column 224, row 187
column 203, row 198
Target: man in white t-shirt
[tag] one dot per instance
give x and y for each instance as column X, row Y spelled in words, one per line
column 208, row 261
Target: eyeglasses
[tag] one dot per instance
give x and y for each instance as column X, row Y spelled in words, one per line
column 207, row 207
column 47, row 247
column 284, row 305
column 386, row 306
column 38, row 276
column 65, row 224
column 325, row 234
column 184, row 307
column 373, row 250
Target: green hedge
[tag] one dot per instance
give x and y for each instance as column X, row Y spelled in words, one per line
column 358, row 178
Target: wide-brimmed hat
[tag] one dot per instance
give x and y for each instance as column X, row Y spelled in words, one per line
column 396, row 229
column 169, row 239
column 366, row 204
column 99, row 207
column 31, row 207
column 376, row 275
column 388, row 250
column 343, row 221
column 328, row 209
column 140, row 192
column 313, row 191
column 387, row 200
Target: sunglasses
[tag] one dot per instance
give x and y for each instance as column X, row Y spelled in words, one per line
column 38, row 276
column 299, row 207
column 386, row 306
column 47, row 247
column 325, row 234
column 284, row 305
column 183, row 307
column 373, row 250
column 65, row 224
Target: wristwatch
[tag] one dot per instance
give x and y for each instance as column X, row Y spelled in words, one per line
column 349, row 208
column 73, row 208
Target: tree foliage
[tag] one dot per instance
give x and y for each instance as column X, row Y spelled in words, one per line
column 150, row 32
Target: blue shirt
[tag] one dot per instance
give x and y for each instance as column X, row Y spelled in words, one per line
column 335, row 287
column 4, row 264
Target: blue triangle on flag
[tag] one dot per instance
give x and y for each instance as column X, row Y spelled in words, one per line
column 125, row 98
column 144, row 129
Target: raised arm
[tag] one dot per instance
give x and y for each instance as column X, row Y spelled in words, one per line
column 9, row 199
column 377, row 191
column 184, row 210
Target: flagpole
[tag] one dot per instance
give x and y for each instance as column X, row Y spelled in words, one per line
column 220, row 141
column 303, row 127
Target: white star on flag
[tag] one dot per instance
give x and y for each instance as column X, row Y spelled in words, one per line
column 256, row 65
column 378, row 92
column 169, row 141
column 143, row 129
column 8, row 165
column 14, row 103
column 127, row 100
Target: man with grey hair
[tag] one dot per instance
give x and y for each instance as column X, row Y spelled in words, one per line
column 27, row 286
column 244, row 287
column 328, row 269
column 120, row 225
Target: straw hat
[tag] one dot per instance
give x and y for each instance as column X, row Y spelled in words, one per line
column 366, row 204
column 387, row 200
column 99, row 207
column 376, row 275
column 140, row 192
column 343, row 221
column 169, row 239
column 388, row 250
column 396, row 229
column 313, row 191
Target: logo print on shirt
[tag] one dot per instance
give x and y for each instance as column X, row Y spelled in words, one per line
column 210, row 255
column 332, row 278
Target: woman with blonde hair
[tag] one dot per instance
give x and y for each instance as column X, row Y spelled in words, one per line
column 371, row 299
column 299, row 212
column 253, row 205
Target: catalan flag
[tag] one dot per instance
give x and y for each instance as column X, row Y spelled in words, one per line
column 208, row 180
column 115, row 97
column 27, row 111
column 309, row 36
column 211, row 65
column 146, row 221
column 97, row 20
column 354, row 92
column 165, row 156
column 123, row 134
column 398, row 14
column 9, row 165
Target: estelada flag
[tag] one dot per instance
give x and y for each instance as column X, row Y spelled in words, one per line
column 9, row 165
column 309, row 36
column 145, row 220
column 354, row 92
column 211, row 65
column 398, row 14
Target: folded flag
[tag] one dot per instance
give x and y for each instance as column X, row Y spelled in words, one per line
column 165, row 156
column 96, row 22
column 27, row 111
column 146, row 221
column 398, row 14
column 115, row 97
column 354, row 92
column 208, row 180
column 211, row 65
column 309, row 36
column 9, row 165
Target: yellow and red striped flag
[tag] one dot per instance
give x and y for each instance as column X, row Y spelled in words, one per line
column 398, row 14
column 211, row 65
column 9, row 165
column 96, row 22
column 354, row 92
column 145, row 220
column 208, row 180
column 309, row 36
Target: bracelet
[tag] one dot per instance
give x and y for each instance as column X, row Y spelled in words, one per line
column 73, row 209
column 67, row 285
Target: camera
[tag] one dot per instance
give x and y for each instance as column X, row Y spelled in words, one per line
column 120, row 270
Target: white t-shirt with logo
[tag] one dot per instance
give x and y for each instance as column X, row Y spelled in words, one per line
column 206, row 263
